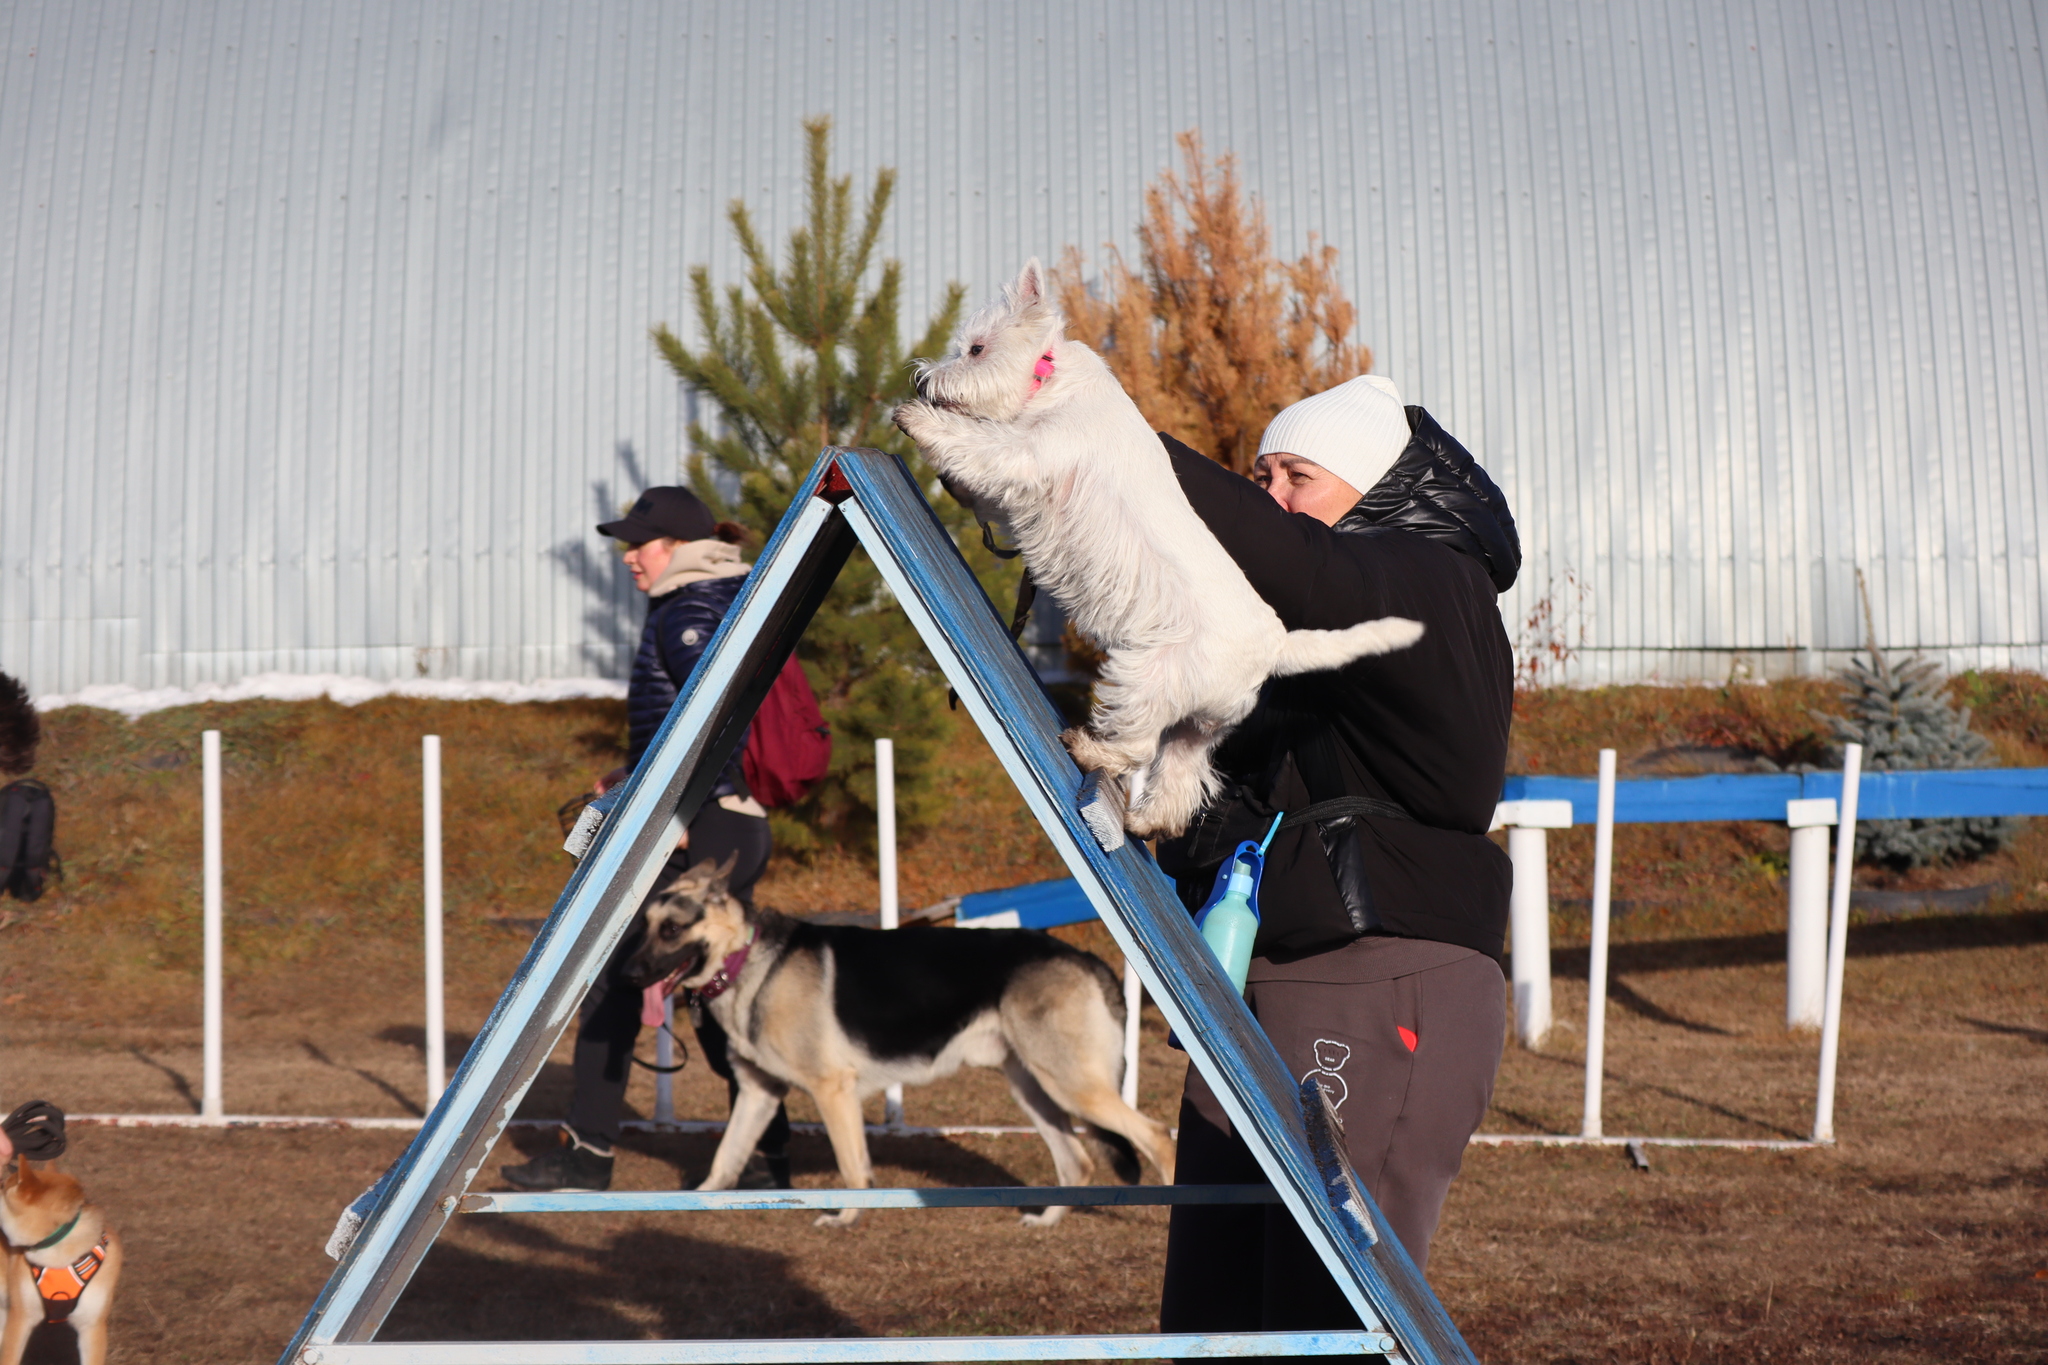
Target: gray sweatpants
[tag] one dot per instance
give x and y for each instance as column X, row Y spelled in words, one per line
column 1405, row 1036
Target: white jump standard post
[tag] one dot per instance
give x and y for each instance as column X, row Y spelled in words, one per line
column 885, row 861
column 1528, row 823
column 1838, row 947
column 210, row 1108
column 1596, row 971
column 1806, row 917
column 430, row 819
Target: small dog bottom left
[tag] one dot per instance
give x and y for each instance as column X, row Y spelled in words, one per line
column 59, row 1261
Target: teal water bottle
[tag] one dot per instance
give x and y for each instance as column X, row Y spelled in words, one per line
column 1230, row 921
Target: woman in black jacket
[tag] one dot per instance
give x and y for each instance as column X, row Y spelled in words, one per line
column 1376, row 967
column 689, row 565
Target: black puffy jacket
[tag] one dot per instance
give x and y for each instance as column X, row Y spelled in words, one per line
column 1424, row 729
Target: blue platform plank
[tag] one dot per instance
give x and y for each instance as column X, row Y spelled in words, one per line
column 855, row 1350
column 1906, row 795
column 1040, row 905
column 928, row 1197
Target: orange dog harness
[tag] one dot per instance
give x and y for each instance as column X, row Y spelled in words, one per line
column 62, row 1286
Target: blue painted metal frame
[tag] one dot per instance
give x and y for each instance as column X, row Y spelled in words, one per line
column 1902, row 795
column 869, row 497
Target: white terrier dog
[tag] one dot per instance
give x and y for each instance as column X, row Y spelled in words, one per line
column 1036, row 430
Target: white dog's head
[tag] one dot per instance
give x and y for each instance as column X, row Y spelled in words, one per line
column 1004, row 355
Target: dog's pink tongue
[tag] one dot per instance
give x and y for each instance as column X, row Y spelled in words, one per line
column 652, row 1011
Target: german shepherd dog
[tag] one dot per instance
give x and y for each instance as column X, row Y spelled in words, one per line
column 844, row 1012
column 61, row 1263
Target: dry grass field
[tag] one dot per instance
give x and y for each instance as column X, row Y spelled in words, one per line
column 1923, row 1236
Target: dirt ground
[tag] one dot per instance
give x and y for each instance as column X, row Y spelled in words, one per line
column 1923, row 1236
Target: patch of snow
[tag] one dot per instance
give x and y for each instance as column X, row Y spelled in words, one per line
column 140, row 701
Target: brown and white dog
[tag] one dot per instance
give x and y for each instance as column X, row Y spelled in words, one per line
column 844, row 1012
column 62, row 1262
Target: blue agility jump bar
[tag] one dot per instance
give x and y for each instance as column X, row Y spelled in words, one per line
column 818, row 1351
column 1898, row 795
column 941, row 1197
column 1038, row 905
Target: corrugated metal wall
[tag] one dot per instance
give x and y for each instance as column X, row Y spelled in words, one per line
column 323, row 334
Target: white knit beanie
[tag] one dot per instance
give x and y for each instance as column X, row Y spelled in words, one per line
column 1356, row 430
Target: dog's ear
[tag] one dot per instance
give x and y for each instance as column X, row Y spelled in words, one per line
column 721, row 871
column 1030, row 286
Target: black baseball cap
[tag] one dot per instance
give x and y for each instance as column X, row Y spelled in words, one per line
column 676, row 513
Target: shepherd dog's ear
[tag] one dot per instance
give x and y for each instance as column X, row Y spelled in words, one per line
column 721, row 871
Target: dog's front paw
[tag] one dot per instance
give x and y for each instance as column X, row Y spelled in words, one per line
column 1045, row 1217
column 917, row 420
column 845, row 1218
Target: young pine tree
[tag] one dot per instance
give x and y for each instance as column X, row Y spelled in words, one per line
column 1904, row 718
column 807, row 356
column 1214, row 334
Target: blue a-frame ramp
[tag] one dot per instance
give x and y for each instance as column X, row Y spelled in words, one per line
column 864, row 497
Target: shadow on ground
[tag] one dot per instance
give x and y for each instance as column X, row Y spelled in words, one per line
column 1931, row 934
column 640, row 1283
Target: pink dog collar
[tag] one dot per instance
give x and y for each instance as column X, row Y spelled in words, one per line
column 1041, row 371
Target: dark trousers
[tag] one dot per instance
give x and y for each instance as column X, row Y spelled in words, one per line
column 608, row 1024
column 1409, row 1103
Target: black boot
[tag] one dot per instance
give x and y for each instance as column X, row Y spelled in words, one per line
column 578, row 1164
column 765, row 1171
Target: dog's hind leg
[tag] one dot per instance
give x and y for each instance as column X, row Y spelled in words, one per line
column 1069, row 1158
column 1180, row 781
column 1103, row 1108
column 838, row 1097
column 752, row 1110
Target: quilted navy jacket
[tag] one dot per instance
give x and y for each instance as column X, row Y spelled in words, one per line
column 679, row 625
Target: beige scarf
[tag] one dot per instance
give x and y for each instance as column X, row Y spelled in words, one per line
column 695, row 561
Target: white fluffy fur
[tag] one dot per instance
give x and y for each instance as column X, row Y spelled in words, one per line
column 1073, row 469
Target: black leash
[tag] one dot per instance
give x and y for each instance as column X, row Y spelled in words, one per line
column 656, row 1067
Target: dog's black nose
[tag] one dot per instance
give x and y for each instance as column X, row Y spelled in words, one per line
column 922, row 386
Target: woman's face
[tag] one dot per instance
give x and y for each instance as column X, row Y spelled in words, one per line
column 1304, row 486
column 648, row 559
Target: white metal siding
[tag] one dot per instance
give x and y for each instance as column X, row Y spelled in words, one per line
column 324, row 327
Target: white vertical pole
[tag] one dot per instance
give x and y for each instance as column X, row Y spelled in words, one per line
column 1838, row 946
column 1806, row 915
column 210, row 1107
column 665, row 1056
column 1596, row 974
column 885, row 838
column 1134, row 1001
column 1529, row 929
column 430, row 807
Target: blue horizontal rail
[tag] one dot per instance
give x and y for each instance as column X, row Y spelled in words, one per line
column 1899, row 795
column 817, row 1351
column 1038, row 905
column 941, row 1197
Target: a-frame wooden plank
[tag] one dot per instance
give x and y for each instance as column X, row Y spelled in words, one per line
column 870, row 497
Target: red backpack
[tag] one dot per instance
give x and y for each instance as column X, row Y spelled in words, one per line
column 789, row 747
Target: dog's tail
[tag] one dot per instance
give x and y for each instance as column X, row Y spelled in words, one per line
column 1123, row 1156
column 1311, row 651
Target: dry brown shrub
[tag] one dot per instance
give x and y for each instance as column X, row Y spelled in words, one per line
column 1214, row 334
